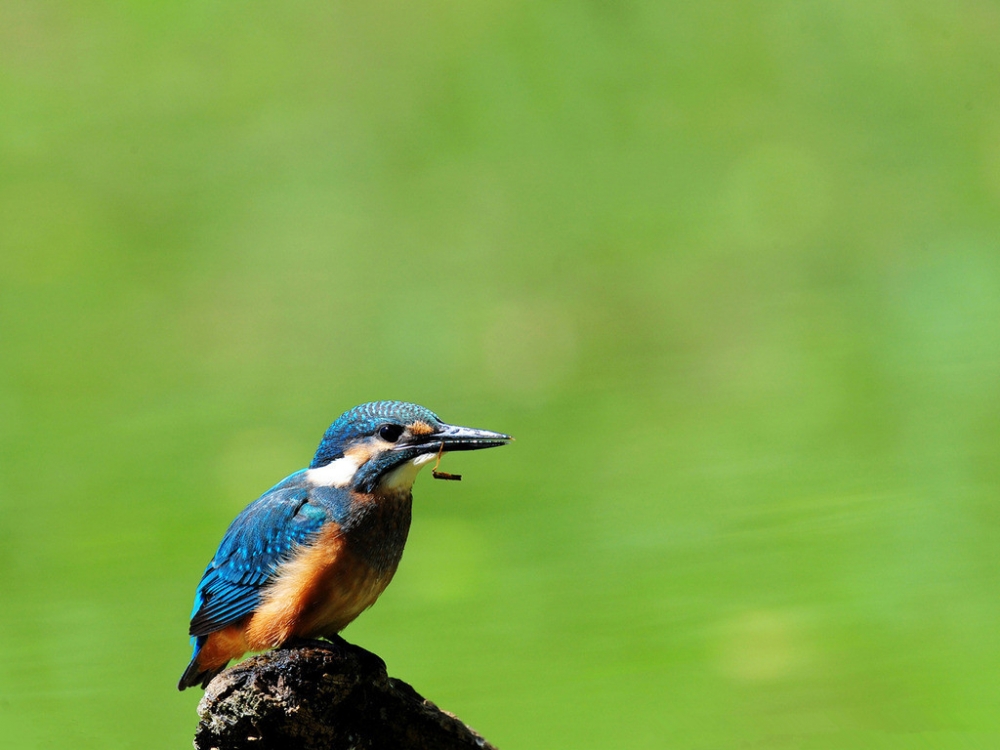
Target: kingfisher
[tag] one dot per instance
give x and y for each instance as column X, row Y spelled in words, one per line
column 318, row 548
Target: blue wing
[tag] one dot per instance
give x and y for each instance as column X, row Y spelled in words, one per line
column 260, row 538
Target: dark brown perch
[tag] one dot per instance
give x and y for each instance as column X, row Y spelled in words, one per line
column 323, row 695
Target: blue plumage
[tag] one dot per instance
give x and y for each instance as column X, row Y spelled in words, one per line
column 260, row 539
column 341, row 524
column 364, row 420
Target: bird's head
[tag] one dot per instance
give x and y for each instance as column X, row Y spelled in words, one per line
column 383, row 444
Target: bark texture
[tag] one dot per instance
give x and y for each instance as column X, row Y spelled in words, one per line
column 316, row 695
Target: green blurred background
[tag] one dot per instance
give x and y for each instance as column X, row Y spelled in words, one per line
column 729, row 271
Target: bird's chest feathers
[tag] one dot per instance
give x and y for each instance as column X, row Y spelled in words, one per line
column 376, row 527
column 341, row 573
column 358, row 563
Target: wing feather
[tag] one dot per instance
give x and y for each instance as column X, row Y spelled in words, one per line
column 256, row 543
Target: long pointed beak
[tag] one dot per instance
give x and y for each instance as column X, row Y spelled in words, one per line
column 457, row 438
column 449, row 437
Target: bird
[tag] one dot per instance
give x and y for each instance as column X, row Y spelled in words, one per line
column 317, row 549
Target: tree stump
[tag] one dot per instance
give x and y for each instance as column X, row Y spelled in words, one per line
column 328, row 695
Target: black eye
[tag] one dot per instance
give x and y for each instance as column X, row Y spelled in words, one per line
column 390, row 432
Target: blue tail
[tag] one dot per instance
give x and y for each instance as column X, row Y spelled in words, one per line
column 194, row 674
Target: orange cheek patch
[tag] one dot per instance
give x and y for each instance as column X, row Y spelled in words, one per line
column 421, row 428
column 360, row 453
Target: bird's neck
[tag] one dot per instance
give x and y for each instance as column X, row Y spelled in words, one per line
column 376, row 528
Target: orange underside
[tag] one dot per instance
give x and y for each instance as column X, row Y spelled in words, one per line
column 317, row 593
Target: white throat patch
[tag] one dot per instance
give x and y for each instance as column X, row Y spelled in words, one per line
column 340, row 472
column 402, row 477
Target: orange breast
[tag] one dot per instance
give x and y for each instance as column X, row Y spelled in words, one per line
column 222, row 646
column 316, row 593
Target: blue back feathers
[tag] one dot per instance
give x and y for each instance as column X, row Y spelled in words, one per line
column 260, row 538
